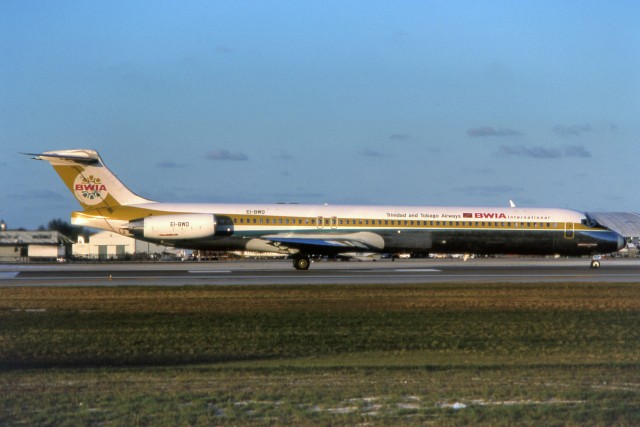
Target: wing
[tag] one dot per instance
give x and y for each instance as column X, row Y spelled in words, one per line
column 327, row 243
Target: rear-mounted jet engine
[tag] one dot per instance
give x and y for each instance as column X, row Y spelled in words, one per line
column 174, row 227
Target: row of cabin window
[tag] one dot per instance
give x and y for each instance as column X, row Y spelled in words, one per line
column 393, row 222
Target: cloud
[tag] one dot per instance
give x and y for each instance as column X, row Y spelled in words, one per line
column 534, row 152
column 368, row 152
column 399, row 137
column 576, row 151
column 170, row 164
column 574, row 130
column 283, row 155
column 544, row 152
column 487, row 131
column 578, row 130
column 223, row 49
column 226, row 155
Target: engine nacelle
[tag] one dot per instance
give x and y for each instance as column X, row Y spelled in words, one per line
column 175, row 227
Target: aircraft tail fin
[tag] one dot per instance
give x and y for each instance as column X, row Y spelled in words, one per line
column 90, row 181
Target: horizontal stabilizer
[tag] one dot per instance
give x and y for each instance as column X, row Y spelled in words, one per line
column 80, row 156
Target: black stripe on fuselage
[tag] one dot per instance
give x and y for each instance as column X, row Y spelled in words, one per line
column 575, row 239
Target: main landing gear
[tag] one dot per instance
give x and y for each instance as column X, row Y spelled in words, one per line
column 595, row 261
column 301, row 263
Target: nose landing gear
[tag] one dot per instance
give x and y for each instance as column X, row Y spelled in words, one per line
column 595, row 261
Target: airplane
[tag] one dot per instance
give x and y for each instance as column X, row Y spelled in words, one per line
column 302, row 231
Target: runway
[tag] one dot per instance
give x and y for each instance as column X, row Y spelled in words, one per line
column 503, row 270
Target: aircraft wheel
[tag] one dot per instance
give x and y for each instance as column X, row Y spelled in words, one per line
column 595, row 264
column 301, row 263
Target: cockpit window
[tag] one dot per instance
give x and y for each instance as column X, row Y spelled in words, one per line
column 589, row 221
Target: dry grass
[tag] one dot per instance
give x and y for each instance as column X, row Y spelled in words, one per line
column 456, row 297
column 445, row 353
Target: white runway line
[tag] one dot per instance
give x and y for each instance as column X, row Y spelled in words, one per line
column 210, row 271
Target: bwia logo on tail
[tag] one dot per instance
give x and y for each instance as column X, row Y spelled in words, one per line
column 90, row 190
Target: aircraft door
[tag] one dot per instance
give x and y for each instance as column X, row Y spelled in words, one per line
column 569, row 230
column 334, row 222
column 320, row 222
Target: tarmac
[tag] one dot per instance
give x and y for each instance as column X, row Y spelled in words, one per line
column 281, row 272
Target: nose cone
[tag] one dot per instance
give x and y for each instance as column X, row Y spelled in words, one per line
column 621, row 242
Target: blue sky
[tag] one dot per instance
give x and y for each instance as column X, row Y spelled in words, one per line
column 340, row 102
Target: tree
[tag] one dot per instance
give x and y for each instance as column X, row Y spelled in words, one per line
column 66, row 229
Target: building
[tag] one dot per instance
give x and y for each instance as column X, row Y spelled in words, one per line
column 108, row 245
column 25, row 246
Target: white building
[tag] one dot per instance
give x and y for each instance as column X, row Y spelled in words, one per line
column 23, row 246
column 108, row 245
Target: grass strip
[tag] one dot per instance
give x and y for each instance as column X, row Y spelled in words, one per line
column 444, row 353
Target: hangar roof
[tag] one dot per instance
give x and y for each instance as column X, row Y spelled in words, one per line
column 32, row 238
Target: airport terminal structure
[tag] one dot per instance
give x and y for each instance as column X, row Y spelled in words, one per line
column 50, row 246
column 24, row 246
column 107, row 245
